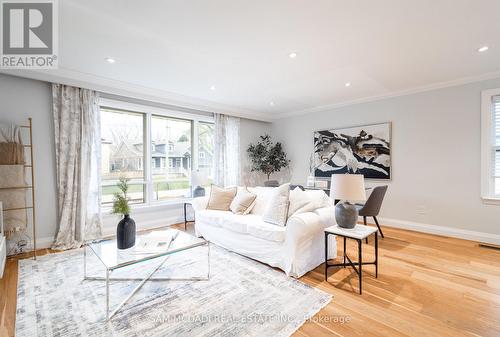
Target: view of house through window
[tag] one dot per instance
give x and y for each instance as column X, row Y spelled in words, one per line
column 170, row 157
column 122, row 153
column 166, row 174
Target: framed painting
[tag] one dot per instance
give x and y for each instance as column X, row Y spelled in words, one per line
column 363, row 150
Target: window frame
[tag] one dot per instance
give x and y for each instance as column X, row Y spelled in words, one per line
column 148, row 112
column 487, row 147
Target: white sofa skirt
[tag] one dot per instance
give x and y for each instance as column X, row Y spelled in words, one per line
column 302, row 250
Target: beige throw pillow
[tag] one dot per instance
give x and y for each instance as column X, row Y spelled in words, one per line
column 220, row 198
column 277, row 207
column 243, row 202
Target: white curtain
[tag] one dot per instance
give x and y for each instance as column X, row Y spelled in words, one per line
column 78, row 155
column 227, row 150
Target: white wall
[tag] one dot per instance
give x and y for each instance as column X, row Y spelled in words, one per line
column 19, row 99
column 435, row 157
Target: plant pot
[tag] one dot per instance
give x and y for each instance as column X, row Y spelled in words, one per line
column 271, row 183
column 125, row 233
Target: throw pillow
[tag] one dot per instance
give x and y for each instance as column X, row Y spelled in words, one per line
column 261, row 201
column 300, row 202
column 220, row 198
column 243, row 201
column 277, row 207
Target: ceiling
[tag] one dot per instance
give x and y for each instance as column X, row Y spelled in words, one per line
column 179, row 49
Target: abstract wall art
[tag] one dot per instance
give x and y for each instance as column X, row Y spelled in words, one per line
column 362, row 149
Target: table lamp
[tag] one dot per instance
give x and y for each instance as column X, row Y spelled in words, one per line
column 347, row 188
column 198, row 179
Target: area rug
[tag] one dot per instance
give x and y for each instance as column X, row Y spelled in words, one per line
column 242, row 298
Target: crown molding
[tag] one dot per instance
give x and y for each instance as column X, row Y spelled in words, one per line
column 430, row 87
column 126, row 89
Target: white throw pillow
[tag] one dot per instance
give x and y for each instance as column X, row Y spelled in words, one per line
column 263, row 195
column 300, row 202
column 307, row 201
column 277, row 207
column 319, row 198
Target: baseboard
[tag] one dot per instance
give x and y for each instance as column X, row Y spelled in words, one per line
column 41, row 243
column 441, row 230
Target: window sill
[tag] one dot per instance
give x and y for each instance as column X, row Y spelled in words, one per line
column 491, row 201
column 144, row 208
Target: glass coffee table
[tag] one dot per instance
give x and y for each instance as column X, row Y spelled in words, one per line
column 154, row 245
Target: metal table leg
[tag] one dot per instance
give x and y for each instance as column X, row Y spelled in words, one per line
column 376, row 255
column 344, row 250
column 185, row 217
column 326, row 256
column 360, row 264
column 107, row 294
column 84, row 261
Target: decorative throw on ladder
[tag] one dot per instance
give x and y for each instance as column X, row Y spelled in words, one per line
column 12, row 179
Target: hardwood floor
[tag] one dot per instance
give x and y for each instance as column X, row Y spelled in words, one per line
column 427, row 286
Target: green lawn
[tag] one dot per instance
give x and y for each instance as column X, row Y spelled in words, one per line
column 157, row 186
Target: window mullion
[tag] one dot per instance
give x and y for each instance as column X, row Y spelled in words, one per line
column 194, row 145
column 147, row 159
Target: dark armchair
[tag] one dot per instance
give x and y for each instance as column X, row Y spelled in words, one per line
column 373, row 205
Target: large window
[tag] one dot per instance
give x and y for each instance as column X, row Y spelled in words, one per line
column 490, row 143
column 122, row 153
column 496, row 145
column 154, row 149
column 171, row 157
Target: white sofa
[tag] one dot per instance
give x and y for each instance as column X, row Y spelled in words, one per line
column 295, row 248
column 3, row 244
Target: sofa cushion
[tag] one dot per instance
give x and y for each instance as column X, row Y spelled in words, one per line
column 221, row 198
column 267, row 231
column 239, row 223
column 213, row 217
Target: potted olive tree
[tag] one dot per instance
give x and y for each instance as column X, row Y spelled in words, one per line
column 125, row 231
column 267, row 157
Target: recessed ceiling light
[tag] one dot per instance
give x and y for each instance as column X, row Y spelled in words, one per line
column 271, row 103
column 110, row 60
column 348, row 84
column 212, row 87
column 292, row 55
column 483, row 48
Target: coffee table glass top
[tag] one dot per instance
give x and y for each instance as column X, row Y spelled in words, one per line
column 147, row 246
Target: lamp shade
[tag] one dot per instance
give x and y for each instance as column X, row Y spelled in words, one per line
column 198, row 178
column 349, row 187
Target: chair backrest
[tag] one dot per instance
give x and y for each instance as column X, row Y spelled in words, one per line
column 374, row 202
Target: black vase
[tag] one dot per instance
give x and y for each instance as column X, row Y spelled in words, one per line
column 125, row 233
